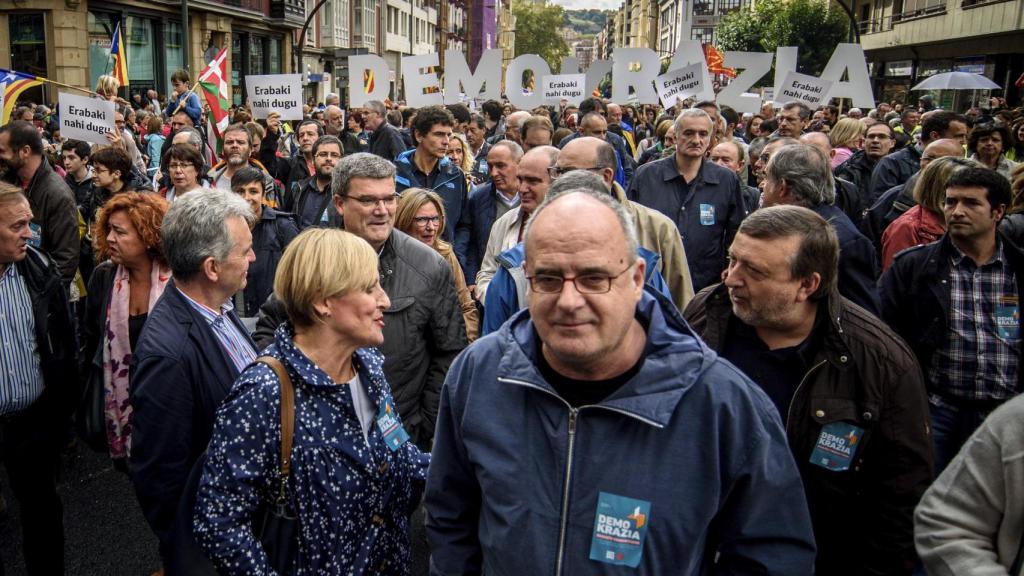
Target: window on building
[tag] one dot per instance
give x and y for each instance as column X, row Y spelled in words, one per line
column 704, row 7
column 727, row 6
column 140, row 41
column 174, row 49
column 100, row 26
column 28, row 49
column 274, row 45
column 704, row 35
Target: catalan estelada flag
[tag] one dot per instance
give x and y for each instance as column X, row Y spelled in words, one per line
column 14, row 83
column 120, row 56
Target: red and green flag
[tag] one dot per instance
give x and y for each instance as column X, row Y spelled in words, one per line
column 214, row 85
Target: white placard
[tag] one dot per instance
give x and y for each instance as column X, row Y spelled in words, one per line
column 281, row 93
column 679, row 84
column 85, row 118
column 568, row 86
column 806, row 89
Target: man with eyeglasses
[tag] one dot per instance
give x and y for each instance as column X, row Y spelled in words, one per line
column 594, row 429
column 878, row 141
column 702, row 198
column 423, row 328
column 898, row 167
column 310, row 199
column 793, row 118
column 627, row 166
column 487, row 203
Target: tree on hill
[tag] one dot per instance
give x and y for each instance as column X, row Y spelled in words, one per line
column 813, row 26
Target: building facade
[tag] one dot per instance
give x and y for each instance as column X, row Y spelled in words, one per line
column 907, row 41
column 69, row 40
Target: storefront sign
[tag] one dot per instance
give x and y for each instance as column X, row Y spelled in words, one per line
column 85, row 118
column 899, row 68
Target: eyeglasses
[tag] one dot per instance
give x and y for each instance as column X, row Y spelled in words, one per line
column 422, row 221
column 585, row 284
column 176, row 166
column 333, row 155
column 557, row 171
column 371, row 202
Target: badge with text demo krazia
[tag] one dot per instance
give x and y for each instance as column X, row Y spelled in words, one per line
column 1008, row 317
column 619, row 530
column 707, row 214
column 836, row 446
column 392, row 430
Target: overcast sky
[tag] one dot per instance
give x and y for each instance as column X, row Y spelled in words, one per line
column 579, row 4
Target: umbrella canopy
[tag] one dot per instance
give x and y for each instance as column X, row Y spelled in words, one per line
column 956, row 81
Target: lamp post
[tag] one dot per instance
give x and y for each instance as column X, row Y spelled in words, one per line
column 302, row 35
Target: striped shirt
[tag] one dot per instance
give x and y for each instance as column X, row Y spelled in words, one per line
column 21, row 376
column 978, row 359
column 231, row 339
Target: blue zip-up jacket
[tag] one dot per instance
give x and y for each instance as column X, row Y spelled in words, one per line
column 516, row 473
column 509, row 285
column 353, row 494
column 449, row 182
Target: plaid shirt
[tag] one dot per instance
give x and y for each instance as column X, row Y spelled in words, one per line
column 979, row 355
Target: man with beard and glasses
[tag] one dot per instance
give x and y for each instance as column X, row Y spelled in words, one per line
column 848, row 389
column 310, row 199
column 237, row 154
column 301, row 165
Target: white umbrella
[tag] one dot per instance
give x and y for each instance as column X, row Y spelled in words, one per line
column 956, row 81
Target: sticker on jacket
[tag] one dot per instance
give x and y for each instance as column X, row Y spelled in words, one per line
column 836, row 446
column 1008, row 317
column 36, row 241
column 707, row 214
column 619, row 530
column 392, row 430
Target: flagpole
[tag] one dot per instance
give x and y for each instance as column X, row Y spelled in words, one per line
column 63, row 85
column 184, row 98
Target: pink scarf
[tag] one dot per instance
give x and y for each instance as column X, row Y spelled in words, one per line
column 117, row 356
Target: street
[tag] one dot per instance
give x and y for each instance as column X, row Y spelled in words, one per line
column 105, row 533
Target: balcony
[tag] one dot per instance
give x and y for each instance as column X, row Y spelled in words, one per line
column 919, row 13
column 967, row 4
column 251, row 5
column 287, row 12
column 875, row 25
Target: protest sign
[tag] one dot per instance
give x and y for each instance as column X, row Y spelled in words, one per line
column 281, row 93
column 85, row 118
column 568, row 86
column 805, row 89
column 679, row 84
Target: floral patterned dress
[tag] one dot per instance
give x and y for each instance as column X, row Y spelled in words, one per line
column 353, row 494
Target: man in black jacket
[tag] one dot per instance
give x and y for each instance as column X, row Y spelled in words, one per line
column 385, row 140
column 309, row 199
column 54, row 216
column 897, row 167
column 423, row 328
column 957, row 303
column 858, row 168
column 38, row 390
column 848, row 389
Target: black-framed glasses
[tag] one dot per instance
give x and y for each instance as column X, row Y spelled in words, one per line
column 371, row 202
column 557, row 171
column 422, row 221
column 585, row 283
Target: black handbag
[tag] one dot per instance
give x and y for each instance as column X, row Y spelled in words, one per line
column 274, row 524
column 90, row 421
column 277, row 525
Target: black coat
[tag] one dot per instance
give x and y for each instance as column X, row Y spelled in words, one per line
column 269, row 238
column 863, row 374
column 180, row 375
column 423, row 329
column 55, row 215
column 480, row 215
column 893, row 170
column 55, row 340
column 916, row 296
column 858, row 262
column 857, row 169
column 387, row 142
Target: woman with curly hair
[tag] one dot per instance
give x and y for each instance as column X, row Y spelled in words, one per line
column 122, row 291
column 420, row 214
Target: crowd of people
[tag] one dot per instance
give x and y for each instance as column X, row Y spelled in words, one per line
column 682, row 340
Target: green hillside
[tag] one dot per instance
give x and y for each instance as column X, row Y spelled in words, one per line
column 587, row 22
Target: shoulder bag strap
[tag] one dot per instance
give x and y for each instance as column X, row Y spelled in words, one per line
column 287, row 413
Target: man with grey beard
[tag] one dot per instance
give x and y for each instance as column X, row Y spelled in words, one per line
column 236, row 155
